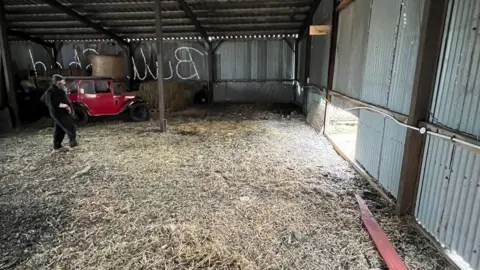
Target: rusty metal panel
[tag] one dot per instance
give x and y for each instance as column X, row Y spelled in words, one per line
column 405, row 56
column 351, row 48
column 457, row 95
column 380, row 51
column 448, row 199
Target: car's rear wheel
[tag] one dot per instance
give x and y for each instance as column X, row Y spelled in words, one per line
column 81, row 115
column 139, row 112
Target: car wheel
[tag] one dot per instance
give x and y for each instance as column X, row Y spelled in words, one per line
column 139, row 112
column 81, row 115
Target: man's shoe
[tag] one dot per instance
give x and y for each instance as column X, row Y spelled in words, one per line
column 73, row 143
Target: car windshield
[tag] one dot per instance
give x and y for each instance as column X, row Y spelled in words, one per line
column 71, row 87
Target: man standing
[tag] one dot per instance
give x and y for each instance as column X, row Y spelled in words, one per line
column 61, row 111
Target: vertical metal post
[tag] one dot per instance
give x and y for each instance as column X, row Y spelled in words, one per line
column 161, row 101
column 53, row 53
column 430, row 44
column 295, row 67
column 297, row 53
column 7, row 68
column 211, row 72
column 308, row 56
column 130, row 66
column 3, row 92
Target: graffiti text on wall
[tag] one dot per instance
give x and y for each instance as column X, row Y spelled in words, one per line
column 183, row 56
column 180, row 61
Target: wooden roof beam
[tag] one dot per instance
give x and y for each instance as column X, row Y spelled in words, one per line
column 67, row 10
column 184, row 6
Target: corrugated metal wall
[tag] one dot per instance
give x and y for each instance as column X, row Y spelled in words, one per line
column 240, row 65
column 377, row 46
column 406, row 52
column 384, row 23
column 448, row 199
column 379, row 148
column 230, row 91
column 302, row 56
column 351, row 48
column 321, row 46
column 255, row 60
column 457, row 96
column 376, row 49
column 255, row 71
column 182, row 59
column 22, row 55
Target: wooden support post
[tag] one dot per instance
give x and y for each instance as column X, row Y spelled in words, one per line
column 344, row 4
column 431, row 34
column 7, row 68
column 332, row 60
column 320, row 30
column 161, row 101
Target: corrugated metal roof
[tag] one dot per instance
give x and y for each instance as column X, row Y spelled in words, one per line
column 136, row 19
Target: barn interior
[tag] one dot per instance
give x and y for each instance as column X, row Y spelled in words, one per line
column 268, row 120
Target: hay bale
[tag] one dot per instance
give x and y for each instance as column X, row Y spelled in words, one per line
column 108, row 66
column 177, row 96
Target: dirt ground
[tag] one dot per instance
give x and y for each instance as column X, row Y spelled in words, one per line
column 232, row 188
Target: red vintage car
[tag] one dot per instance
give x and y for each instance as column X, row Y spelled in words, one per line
column 95, row 96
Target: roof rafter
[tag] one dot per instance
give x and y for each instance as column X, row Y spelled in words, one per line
column 198, row 26
column 59, row 6
column 309, row 19
column 26, row 36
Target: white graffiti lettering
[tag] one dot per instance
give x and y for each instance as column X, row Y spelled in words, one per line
column 76, row 60
column 187, row 61
column 182, row 59
column 89, row 50
column 34, row 64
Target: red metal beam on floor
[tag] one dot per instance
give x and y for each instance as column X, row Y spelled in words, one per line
column 384, row 247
